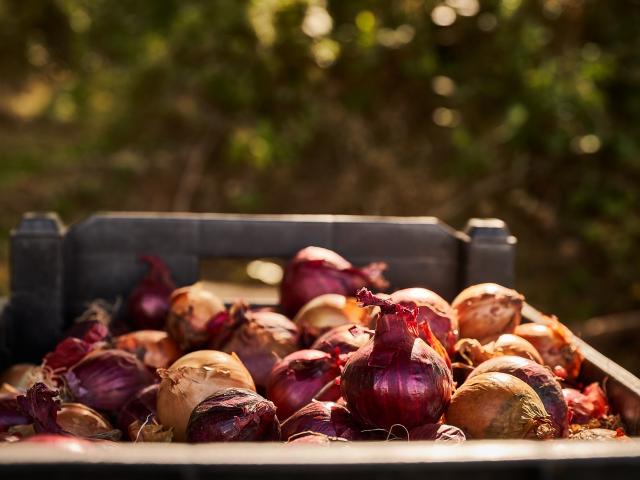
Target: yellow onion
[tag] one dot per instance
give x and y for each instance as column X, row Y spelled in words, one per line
column 82, row 421
column 21, row 375
column 154, row 348
column 191, row 309
column 555, row 344
column 507, row 344
column 498, row 405
column 329, row 311
column 487, row 310
column 193, row 378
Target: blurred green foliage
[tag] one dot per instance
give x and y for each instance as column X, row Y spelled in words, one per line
column 524, row 110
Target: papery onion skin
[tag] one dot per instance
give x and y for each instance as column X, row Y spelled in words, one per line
column 396, row 378
column 438, row 432
column 10, row 413
column 599, row 434
column 260, row 339
column 487, row 310
column 154, row 348
column 234, row 415
column 343, row 339
column 328, row 418
column 191, row 309
column 149, row 302
column 20, row 375
column 191, row 379
column 555, row 344
column 497, row 405
column 434, row 310
column 315, row 271
column 106, row 379
column 66, row 354
column 94, row 324
column 325, row 312
column 142, row 407
column 296, row 379
column 587, row 405
column 541, row 379
column 314, row 438
column 41, row 404
column 82, row 421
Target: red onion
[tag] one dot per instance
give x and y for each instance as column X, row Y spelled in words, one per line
column 343, row 339
column 10, row 414
column 191, row 309
column 331, row 392
column 315, row 271
column 438, row 432
column 233, row 415
column 297, row 379
column 396, row 378
column 142, row 407
column 322, row 417
column 259, row 338
column 487, row 310
column 154, row 348
column 540, row 379
column 149, row 302
column 498, row 405
column 313, row 438
column 555, row 344
column 66, row 354
column 107, row 379
column 588, row 405
column 94, row 323
column 434, row 310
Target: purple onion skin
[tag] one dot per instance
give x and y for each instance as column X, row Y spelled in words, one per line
column 234, row 415
column 327, row 418
column 106, row 379
column 296, row 379
column 439, row 432
column 315, row 271
column 396, row 378
column 343, row 339
column 538, row 377
column 149, row 303
column 141, row 407
column 10, row 413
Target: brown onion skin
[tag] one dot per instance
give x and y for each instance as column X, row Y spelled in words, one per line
column 82, row 421
column 10, row 413
column 599, row 434
column 154, row 348
column 487, row 310
column 141, row 407
column 540, row 379
column 296, row 379
column 396, row 378
column 434, row 310
column 554, row 342
column 497, row 405
column 437, row 432
column 106, row 379
column 260, row 339
column 19, row 375
column 191, row 309
column 328, row 418
column 315, row 271
column 234, row 415
column 343, row 339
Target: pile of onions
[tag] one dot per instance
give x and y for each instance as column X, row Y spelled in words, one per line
column 193, row 378
column 438, row 432
column 154, row 348
column 149, row 302
column 591, row 404
column 234, row 415
column 470, row 349
column 487, row 310
column 540, row 379
column 259, row 338
column 434, row 310
column 191, row 309
column 555, row 344
column 315, row 271
column 396, row 378
column 106, row 379
column 328, row 418
column 343, row 339
column 299, row 377
column 498, row 405
column 329, row 311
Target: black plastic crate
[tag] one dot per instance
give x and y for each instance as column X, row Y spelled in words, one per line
column 55, row 271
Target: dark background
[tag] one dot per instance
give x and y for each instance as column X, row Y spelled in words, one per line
column 523, row 110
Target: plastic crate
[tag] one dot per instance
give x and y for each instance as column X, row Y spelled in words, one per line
column 55, row 271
